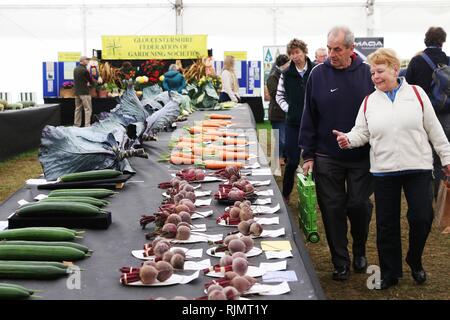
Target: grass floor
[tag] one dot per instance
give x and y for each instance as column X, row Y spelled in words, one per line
column 15, row 171
column 436, row 258
column 436, row 261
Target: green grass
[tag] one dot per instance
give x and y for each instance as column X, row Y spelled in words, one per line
column 436, row 261
column 16, row 170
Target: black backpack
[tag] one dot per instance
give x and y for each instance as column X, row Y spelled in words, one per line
column 440, row 85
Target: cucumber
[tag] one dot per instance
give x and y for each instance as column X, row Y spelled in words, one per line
column 89, row 200
column 95, row 192
column 40, row 253
column 15, row 271
column 35, row 263
column 2, row 284
column 38, row 234
column 48, row 243
column 59, row 209
column 13, row 293
column 90, row 175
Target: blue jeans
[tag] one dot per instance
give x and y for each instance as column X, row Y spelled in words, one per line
column 280, row 125
column 292, row 151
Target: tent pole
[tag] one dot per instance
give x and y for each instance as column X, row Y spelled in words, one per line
column 179, row 16
column 84, row 26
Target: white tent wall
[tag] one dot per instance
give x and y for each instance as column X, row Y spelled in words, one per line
column 33, row 34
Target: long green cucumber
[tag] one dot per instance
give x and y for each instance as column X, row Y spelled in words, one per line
column 40, row 253
column 90, row 175
column 59, row 209
column 89, row 200
column 35, row 263
column 13, row 271
column 2, row 284
column 38, row 234
column 95, row 192
column 13, row 293
column 47, row 243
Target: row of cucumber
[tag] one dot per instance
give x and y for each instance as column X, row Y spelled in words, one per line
column 68, row 202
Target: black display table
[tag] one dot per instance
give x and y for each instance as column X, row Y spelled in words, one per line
column 112, row 247
column 20, row 130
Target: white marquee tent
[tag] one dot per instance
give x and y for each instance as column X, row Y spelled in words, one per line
column 35, row 31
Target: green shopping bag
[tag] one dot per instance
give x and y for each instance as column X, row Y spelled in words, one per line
column 307, row 206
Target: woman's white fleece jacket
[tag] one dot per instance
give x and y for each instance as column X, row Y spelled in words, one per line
column 399, row 132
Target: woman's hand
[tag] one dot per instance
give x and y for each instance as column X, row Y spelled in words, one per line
column 342, row 139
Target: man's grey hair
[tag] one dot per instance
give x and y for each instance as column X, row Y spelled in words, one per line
column 349, row 37
column 173, row 67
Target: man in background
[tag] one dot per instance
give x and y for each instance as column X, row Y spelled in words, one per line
column 83, row 100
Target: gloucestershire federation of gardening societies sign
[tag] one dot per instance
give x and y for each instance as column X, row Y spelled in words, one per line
column 366, row 45
column 154, row 47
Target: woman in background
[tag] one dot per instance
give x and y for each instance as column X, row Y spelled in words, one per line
column 230, row 87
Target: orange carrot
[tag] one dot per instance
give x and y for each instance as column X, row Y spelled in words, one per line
column 233, row 141
column 211, row 124
column 227, row 148
column 216, row 164
column 223, row 133
column 224, row 155
column 176, row 159
column 220, row 116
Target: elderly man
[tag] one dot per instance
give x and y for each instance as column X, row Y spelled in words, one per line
column 83, row 99
column 321, row 55
column 334, row 94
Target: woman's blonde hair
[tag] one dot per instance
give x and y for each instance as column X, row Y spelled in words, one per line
column 384, row 56
column 228, row 63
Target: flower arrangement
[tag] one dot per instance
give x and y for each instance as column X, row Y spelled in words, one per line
column 152, row 69
column 127, row 71
column 68, row 84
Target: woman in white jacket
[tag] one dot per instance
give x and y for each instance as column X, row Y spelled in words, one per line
column 230, row 86
column 398, row 121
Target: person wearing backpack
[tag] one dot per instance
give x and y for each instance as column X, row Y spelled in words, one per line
column 398, row 120
column 423, row 70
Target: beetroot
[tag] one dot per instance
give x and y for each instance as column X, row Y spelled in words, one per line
column 149, row 263
column 248, row 241
column 256, row 229
column 185, row 217
column 177, row 261
column 173, row 218
column 167, row 256
column 239, row 255
column 230, row 275
column 237, row 204
column 181, row 207
column 179, row 251
column 189, row 204
column 177, row 198
column 161, row 248
column 227, row 239
column 199, row 175
column 169, row 230
column 190, row 195
column 165, row 270
column 236, row 245
column 240, row 266
column 244, row 228
column 148, row 274
column 217, row 295
column 231, row 293
column 188, row 188
column 183, row 233
column 234, row 212
column 213, row 287
column 250, row 279
column 241, row 284
column 246, row 214
column 226, row 261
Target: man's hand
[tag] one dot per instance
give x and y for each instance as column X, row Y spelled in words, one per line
column 342, row 139
column 308, row 167
column 446, row 170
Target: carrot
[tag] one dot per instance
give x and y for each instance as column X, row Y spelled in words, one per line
column 211, row 124
column 230, row 148
column 223, row 133
column 233, row 141
column 224, row 155
column 176, row 159
column 220, row 116
column 223, row 122
column 199, row 138
column 216, row 164
column 185, row 144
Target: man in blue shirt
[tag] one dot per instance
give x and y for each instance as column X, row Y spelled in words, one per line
column 334, row 93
